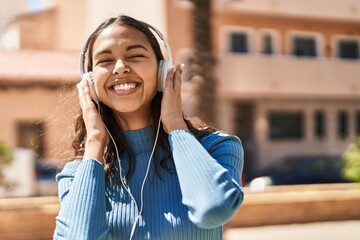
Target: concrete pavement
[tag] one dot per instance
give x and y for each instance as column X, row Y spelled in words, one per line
column 340, row 230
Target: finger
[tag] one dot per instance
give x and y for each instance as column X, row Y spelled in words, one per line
column 84, row 95
column 80, row 89
column 177, row 77
column 180, row 67
column 86, row 91
column 169, row 79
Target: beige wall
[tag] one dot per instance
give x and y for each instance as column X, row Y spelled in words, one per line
column 78, row 19
column 72, row 17
column 56, row 108
column 11, row 7
column 341, row 10
column 39, row 31
column 149, row 11
column 256, row 76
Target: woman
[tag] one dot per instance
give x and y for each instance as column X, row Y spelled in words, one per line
column 126, row 183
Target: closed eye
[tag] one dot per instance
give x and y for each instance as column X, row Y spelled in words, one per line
column 105, row 60
column 136, row 56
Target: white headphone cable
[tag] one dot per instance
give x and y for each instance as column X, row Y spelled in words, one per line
column 120, row 170
column 143, row 184
column 138, row 213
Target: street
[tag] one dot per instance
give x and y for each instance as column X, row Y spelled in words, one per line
column 343, row 230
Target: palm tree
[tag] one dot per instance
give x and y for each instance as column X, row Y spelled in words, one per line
column 203, row 62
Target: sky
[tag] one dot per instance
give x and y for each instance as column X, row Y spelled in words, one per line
column 38, row 5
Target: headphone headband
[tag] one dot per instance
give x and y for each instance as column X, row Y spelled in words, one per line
column 156, row 33
column 160, row 38
column 82, row 56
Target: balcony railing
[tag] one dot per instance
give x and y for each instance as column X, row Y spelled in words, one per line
column 252, row 75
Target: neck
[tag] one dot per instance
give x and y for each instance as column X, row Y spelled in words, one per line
column 132, row 121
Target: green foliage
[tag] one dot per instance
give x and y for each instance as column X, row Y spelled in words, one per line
column 5, row 150
column 351, row 159
column 5, row 159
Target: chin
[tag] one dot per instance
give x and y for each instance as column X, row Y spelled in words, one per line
column 128, row 108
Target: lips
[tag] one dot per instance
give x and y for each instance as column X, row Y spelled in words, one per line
column 121, row 88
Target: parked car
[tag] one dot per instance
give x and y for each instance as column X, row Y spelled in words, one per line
column 299, row 169
column 45, row 177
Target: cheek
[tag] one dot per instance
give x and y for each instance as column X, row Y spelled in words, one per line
column 148, row 74
column 100, row 76
column 152, row 83
column 153, row 77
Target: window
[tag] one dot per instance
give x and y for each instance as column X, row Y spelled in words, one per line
column 239, row 43
column 348, row 49
column 357, row 123
column 30, row 135
column 304, row 47
column 286, row 125
column 267, row 44
column 343, row 124
column 319, row 126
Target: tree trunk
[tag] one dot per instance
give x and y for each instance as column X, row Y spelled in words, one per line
column 203, row 62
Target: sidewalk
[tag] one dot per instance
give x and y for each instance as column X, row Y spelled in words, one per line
column 344, row 230
column 299, row 204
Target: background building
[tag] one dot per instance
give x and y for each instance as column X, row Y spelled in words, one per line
column 287, row 70
column 288, row 74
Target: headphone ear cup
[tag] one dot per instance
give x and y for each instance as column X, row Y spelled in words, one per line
column 164, row 68
column 161, row 79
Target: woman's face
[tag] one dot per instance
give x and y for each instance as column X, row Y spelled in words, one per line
column 125, row 70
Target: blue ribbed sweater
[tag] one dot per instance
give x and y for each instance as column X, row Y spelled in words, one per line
column 191, row 203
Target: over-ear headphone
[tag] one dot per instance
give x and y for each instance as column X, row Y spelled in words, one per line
column 87, row 76
column 164, row 65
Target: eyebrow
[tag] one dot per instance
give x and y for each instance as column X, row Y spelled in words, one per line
column 106, row 51
column 136, row 46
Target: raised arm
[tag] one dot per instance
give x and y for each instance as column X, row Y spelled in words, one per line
column 209, row 174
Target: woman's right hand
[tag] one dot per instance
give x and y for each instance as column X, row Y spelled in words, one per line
column 97, row 137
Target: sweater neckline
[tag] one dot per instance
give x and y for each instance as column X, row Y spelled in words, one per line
column 139, row 139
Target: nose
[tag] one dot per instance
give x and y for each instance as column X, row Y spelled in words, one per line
column 120, row 67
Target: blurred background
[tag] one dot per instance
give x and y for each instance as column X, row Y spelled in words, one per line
column 283, row 75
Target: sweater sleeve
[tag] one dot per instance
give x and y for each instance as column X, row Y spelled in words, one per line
column 81, row 186
column 209, row 174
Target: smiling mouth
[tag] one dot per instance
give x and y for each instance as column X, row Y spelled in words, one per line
column 127, row 87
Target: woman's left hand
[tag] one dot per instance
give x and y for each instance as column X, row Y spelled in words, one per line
column 171, row 106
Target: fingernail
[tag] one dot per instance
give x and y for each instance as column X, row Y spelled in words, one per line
column 182, row 66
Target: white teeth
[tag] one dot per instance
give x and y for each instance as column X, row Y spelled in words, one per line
column 124, row 86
